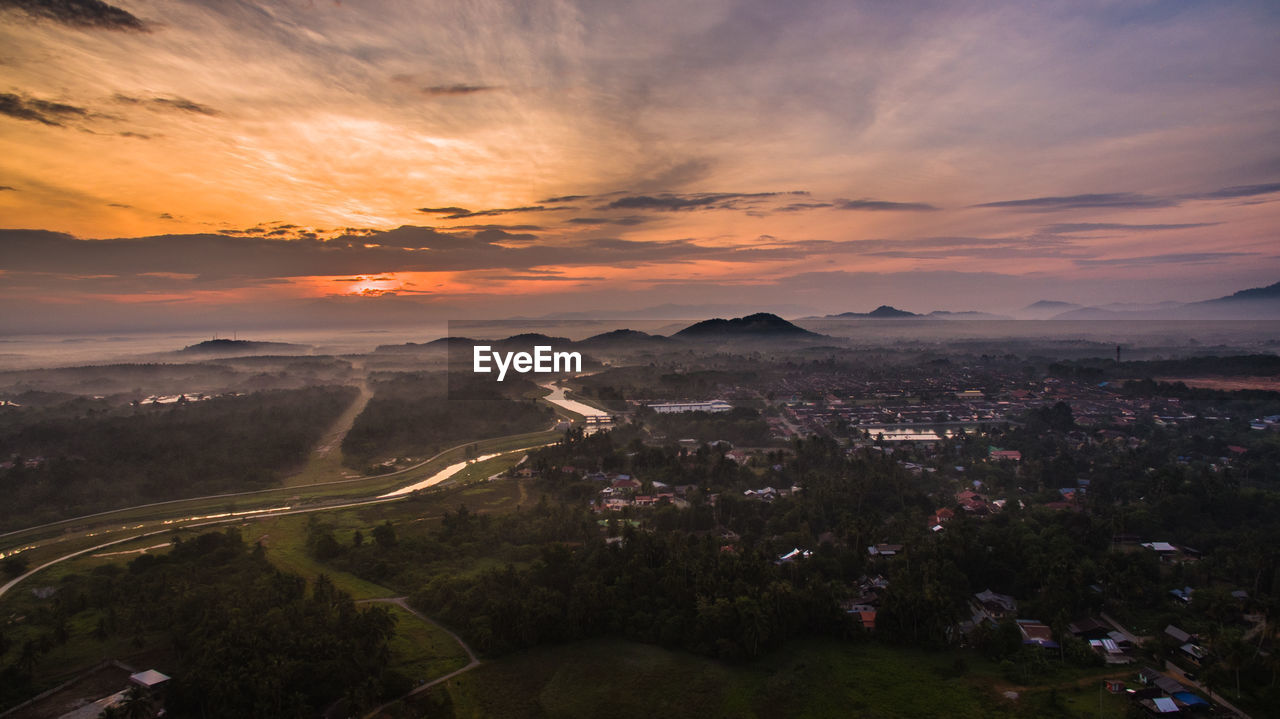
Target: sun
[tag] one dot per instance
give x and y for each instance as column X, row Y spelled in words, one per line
column 363, row 286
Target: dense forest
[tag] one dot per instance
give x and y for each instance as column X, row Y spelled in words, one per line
column 412, row 414
column 82, row 456
column 249, row 640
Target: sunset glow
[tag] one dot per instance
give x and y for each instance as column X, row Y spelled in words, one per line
column 437, row 156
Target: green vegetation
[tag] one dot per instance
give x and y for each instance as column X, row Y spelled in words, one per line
column 246, row 639
column 422, row 651
column 806, row 679
column 413, row 414
column 82, row 456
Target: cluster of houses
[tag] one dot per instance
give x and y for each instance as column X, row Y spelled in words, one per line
column 623, row 490
column 1162, row 695
column 1265, row 424
column 865, row 600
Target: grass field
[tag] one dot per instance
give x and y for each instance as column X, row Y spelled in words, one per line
column 421, row 650
column 807, row 679
column 813, row 679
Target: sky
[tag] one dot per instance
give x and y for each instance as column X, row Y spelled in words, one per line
column 231, row 163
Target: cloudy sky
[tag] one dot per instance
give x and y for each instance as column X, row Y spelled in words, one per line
column 175, row 163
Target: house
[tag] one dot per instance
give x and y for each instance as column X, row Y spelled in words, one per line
column 1169, row 685
column 1177, row 634
column 1089, row 628
column 1194, row 653
column 1120, row 639
column 1183, row 595
column 1115, row 686
column 1159, row 706
column 717, row 405
column 941, row 516
column 998, row 455
column 793, row 555
column 151, row 680
column 884, row 550
column 1036, row 633
column 995, row 606
column 1191, row 702
column 868, row 617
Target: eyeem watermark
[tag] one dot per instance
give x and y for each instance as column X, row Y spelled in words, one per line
column 543, row 360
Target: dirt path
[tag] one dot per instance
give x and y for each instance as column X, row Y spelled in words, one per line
column 472, row 664
column 332, row 439
column 1134, row 639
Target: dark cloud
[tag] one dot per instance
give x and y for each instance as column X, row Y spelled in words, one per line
column 671, row 202
column 1117, row 200
column 623, row 221
column 802, row 206
column 120, row 205
column 564, row 198
column 165, row 216
column 1242, row 191
column 408, row 249
column 22, row 107
column 86, row 14
column 137, row 135
column 459, row 89
column 1073, row 227
column 508, row 228
column 4, row 188
column 181, row 103
column 1176, row 258
column 883, row 206
column 166, row 103
column 463, row 214
column 539, row 277
column 443, row 210
column 496, row 235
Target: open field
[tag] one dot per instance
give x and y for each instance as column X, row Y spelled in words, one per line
column 818, row 678
column 421, row 650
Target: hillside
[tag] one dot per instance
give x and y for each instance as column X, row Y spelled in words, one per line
column 761, row 325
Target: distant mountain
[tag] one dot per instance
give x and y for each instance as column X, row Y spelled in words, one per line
column 1259, row 303
column 761, row 325
column 244, row 347
column 883, row 312
column 967, row 315
column 525, row 340
column 1268, row 293
column 624, row 339
column 673, row 312
column 1051, row 305
column 1046, row 309
column 888, row 312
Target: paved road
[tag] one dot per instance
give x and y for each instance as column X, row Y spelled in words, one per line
column 475, row 661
